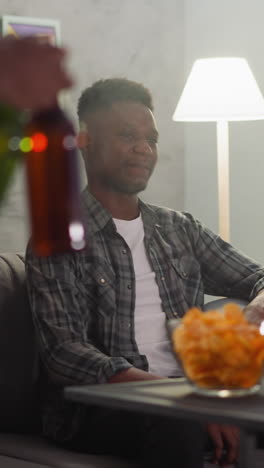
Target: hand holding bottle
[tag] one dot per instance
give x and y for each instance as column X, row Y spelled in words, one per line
column 31, row 73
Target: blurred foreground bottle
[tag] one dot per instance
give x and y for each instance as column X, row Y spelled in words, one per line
column 53, row 184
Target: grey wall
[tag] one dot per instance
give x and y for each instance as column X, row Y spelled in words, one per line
column 140, row 39
column 227, row 28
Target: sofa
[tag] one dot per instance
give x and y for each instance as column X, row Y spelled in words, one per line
column 21, row 445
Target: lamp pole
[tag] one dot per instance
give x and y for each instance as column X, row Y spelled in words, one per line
column 223, row 179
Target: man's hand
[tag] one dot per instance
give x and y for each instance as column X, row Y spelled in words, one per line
column 224, row 437
column 31, row 73
column 254, row 311
column 132, row 374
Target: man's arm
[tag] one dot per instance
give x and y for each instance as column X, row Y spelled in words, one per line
column 132, row 375
column 232, row 273
column 225, row 270
column 63, row 320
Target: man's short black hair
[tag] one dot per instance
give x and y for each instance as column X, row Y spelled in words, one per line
column 103, row 93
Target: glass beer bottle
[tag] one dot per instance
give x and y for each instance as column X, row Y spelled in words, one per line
column 53, row 184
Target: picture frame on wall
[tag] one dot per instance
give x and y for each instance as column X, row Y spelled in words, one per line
column 20, row 26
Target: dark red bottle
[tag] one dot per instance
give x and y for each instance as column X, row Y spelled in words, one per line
column 53, row 184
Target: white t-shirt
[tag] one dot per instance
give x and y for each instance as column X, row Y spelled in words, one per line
column 150, row 320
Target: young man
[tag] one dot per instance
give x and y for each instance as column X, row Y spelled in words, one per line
column 101, row 314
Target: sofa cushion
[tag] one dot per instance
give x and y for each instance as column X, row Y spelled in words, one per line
column 18, row 354
column 38, row 450
column 8, row 462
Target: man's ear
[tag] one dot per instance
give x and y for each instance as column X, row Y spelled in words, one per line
column 83, row 139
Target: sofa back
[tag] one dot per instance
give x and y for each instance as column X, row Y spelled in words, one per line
column 19, row 410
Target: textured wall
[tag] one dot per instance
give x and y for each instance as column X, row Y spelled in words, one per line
column 139, row 39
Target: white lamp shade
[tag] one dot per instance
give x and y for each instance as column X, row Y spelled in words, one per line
column 220, row 89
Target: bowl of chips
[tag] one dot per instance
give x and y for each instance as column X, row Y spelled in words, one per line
column 220, row 352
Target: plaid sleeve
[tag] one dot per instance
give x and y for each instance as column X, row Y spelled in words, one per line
column 58, row 307
column 226, row 271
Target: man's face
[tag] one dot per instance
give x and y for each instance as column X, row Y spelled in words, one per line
column 122, row 149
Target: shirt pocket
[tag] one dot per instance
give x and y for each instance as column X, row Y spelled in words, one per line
column 189, row 275
column 186, row 267
column 100, row 289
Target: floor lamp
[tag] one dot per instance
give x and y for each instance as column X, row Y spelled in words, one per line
column 221, row 90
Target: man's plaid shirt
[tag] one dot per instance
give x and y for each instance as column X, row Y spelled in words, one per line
column 83, row 303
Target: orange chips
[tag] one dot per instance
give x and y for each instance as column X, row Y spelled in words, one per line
column 220, row 349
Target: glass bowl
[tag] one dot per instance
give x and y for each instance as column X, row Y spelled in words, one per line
column 219, row 352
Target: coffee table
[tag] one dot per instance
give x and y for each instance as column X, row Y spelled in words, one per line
column 175, row 398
